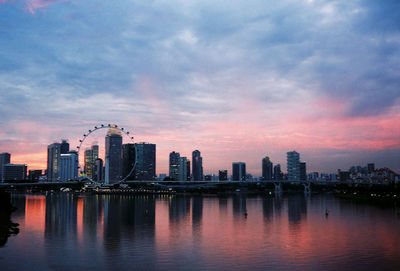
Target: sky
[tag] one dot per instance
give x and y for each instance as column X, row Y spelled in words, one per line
column 237, row 80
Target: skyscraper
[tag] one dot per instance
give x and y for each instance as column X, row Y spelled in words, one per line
column 197, row 166
column 5, row 158
column 293, row 166
column 183, row 169
column 128, row 161
column 303, row 171
column 278, row 173
column 64, row 146
column 90, row 157
column 68, row 167
column 98, row 170
column 113, row 172
column 174, row 165
column 267, row 168
column 238, row 171
column 145, row 169
column 188, row 177
column 53, row 160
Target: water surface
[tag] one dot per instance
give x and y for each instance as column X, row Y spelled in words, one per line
column 65, row 231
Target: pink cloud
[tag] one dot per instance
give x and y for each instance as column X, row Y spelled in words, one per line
column 33, row 5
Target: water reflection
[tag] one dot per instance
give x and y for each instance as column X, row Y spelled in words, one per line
column 149, row 232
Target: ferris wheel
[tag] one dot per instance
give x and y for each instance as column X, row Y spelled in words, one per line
column 108, row 126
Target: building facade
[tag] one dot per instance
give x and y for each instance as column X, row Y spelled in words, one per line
column 278, row 175
column 183, row 169
column 174, row 165
column 293, row 166
column 113, row 167
column 267, row 169
column 68, row 168
column 145, row 169
column 90, row 157
column 303, row 171
column 5, row 158
column 197, row 166
column 14, row 172
column 53, row 161
column 238, row 171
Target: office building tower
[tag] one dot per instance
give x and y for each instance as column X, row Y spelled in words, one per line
column 267, row 169
column 145, row 169
column 64, row 148
column 113, row 168
column 53, row 160
column 278, row 175
column 197, row 166
column 293, row 166
column 174, row 164
column 90, row 157
column 238, row 171
column 145, row 156
column 183, row 169
column 98, row 170
column 68, row 167
column 5, row 158
column 14, row 172
column 223, row 175
column 303, row 171
column 128, row 161
column 188, row 177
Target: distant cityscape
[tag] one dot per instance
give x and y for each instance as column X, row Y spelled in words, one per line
column 137, row 162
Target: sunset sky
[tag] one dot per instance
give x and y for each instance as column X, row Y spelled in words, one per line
column 237, row 80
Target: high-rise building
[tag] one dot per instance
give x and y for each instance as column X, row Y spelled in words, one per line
column 183, row 169
column 98, row 170
column 197, row 166
column 223, row 175
column 293, row 166
column 128, row 161
column 14, row 172
column 238, row 171
column 145, row 156
column 113, row 171
column 64, row 148
column 303, row 171
column 188, row 177
column 278, row 175
column 267, row 168
column 53, row 160
column 174, row 165
column 90, row 157
column 68, row 167
column 5, row 158
column 145, row 169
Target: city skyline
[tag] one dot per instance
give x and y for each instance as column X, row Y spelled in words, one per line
column 237, row 82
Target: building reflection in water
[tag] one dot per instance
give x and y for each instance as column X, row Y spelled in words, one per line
column 239, row 205
column 179, row 209
column 223, row 205
column 197, row 215
column 297, row 209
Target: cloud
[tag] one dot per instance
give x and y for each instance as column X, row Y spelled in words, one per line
column 237, row 80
